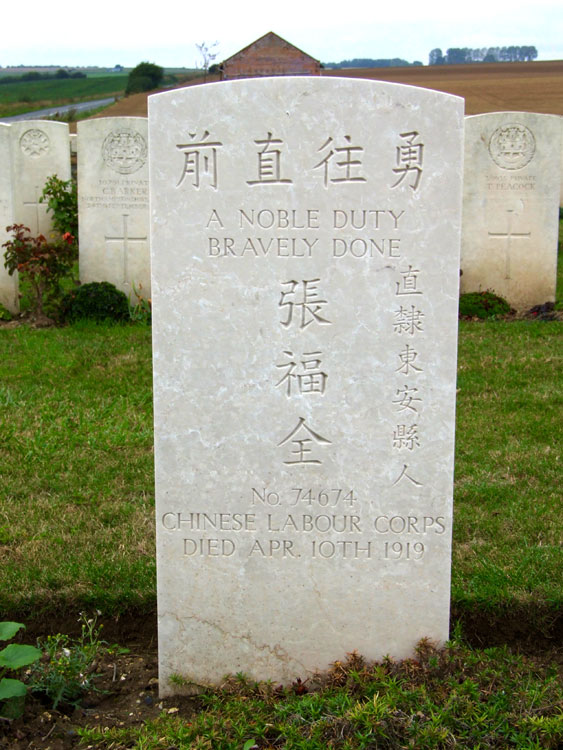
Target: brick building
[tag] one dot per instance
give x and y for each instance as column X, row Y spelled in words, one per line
column 269, row 56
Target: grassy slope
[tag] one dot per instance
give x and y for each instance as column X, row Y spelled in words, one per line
column 29, row 95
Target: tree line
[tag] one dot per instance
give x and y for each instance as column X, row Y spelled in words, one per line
column 363, row 62
column 457, row 55
column 34, row 75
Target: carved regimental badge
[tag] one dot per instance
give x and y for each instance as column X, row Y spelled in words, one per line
column 34, row 143
column 124, row 151
column 512, row 146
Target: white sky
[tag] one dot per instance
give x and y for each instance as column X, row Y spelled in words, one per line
column 107, row 32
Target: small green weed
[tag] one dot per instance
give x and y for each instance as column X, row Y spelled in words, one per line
column 140, row 310
column 4, row 313
column 12, row 658
column 68, row 671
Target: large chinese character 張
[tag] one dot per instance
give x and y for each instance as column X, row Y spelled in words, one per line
column 304, row 297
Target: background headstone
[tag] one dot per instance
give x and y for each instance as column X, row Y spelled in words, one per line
column 40, row 149
column 511, row 206
column 8, row 284
column 305, row 237
column 113, row 207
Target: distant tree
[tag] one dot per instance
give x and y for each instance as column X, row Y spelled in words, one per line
column 436, row 57
column 144, row 77
column 457, row 55
column 61, row 73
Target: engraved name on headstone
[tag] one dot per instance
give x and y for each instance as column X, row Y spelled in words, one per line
column 39, row 150
column 8, row 284
column 113, row 203
column 511, row 206
column 305, row 237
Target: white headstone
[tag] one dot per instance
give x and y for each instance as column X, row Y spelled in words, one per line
column 511, row 206
column 113, row 203
column 39, row 150
column 8, row 284
column 305, row 237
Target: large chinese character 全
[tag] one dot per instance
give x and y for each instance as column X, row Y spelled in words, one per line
column 310, row 380
column 300, row 438
column 200, row 159
column 409, row 159
column 304, row 297
column 269, row 162
column 343, row 168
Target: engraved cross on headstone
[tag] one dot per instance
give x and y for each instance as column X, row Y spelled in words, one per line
column 125, row 239
column 509, row 235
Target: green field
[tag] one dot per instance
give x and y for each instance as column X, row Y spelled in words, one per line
column 25, row 96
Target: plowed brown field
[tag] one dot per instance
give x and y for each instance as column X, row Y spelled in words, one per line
column 486, row 87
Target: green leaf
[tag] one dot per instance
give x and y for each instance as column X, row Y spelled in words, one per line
column 9, row 629
column 15, row 656
column 249, row 744
column 11, row 689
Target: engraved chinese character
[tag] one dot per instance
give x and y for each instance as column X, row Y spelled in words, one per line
column 310, row 380
column 406, row 436
column 404, row 475
column 305, row 297
column 269, row 162
column 407, row 357
column 408, row 321
column 409, row 159
column 344, row 166
column 301, row 437
column 405, row 399
column 407, row 285
column 200, row 158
